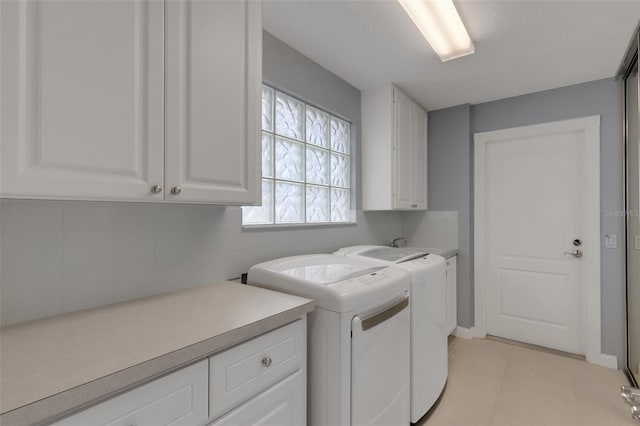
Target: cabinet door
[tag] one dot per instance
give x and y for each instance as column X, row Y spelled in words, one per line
column 403, row 150
column 214, row 71
column 283, row 404
column 178, row 398
column 239, row 373
column 452, row 282
column 82, row 99
column 419, row 196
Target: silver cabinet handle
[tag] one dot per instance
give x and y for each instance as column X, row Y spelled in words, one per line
column 576, row 253
column 266, row 361
column 414, row 205
column 176, row 190
column 156, row 189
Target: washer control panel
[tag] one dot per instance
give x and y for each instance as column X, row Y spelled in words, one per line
column 375, row 277
column 427, row 259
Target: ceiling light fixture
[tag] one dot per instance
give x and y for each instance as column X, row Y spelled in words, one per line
column 440, row 24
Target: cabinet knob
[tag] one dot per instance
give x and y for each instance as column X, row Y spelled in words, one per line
column 156, row 189
column 176, row 190
column 266, row 361
column 414, row 205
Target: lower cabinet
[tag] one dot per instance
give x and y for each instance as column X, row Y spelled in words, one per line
column 242, row 372
column 452, row 283
column 283, row 404
column 261, row 381
column 179, row 398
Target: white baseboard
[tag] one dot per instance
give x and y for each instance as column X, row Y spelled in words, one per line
column 463, row 333
column 605, row 360
column 477, row 333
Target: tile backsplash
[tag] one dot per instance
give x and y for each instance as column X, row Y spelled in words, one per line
column 437, row 229
column 63, row 256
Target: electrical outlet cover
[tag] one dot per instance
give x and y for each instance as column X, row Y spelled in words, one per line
column 611, row 241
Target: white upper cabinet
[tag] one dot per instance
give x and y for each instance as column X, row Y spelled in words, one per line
column 82, row 109
column 419, row 187
column 214, row 73
column 394, row 151
column 402, row 151
column 98, row 103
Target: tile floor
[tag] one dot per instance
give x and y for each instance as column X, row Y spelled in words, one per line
column 497, row 384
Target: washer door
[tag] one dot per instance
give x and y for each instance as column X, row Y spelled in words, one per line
column 380, row 365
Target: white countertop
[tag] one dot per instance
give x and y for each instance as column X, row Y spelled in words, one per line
column 447, row 253
column 52, row 365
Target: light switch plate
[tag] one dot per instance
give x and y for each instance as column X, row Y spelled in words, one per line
column 637, row 242
column 611, row 241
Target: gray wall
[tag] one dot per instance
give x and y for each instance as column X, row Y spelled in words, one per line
column 450, row 188
column 62, row 256
column 285, row 68
column 451, row 168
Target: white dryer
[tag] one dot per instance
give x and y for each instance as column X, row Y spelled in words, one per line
column 429, row 338
column 358, row 339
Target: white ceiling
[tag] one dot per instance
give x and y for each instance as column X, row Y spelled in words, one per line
column 521, row 46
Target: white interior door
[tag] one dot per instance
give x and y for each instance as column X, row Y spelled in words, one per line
column 537, row 190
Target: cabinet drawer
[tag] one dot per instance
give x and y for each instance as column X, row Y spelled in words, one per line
column 179, row 398
column 281, row 405
column 243, row 371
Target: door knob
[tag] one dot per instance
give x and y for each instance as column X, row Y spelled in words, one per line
column 575, row 253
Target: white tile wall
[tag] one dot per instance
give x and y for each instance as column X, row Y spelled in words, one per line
column 437, row 229
column 61, row 256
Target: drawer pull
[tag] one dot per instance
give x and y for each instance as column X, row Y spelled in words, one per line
column 266, row 361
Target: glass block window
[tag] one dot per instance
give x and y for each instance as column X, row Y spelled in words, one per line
column 306, row 164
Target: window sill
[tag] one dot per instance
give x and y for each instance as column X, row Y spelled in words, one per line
column 299, row 226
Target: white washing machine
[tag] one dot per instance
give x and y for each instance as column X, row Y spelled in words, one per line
column 358, row 339
column 429, row 338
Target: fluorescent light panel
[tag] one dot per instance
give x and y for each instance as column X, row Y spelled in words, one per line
column 440, row 24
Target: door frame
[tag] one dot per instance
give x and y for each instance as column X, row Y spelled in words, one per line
column 591, row 307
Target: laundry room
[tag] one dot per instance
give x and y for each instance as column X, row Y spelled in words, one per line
column 383, row 212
